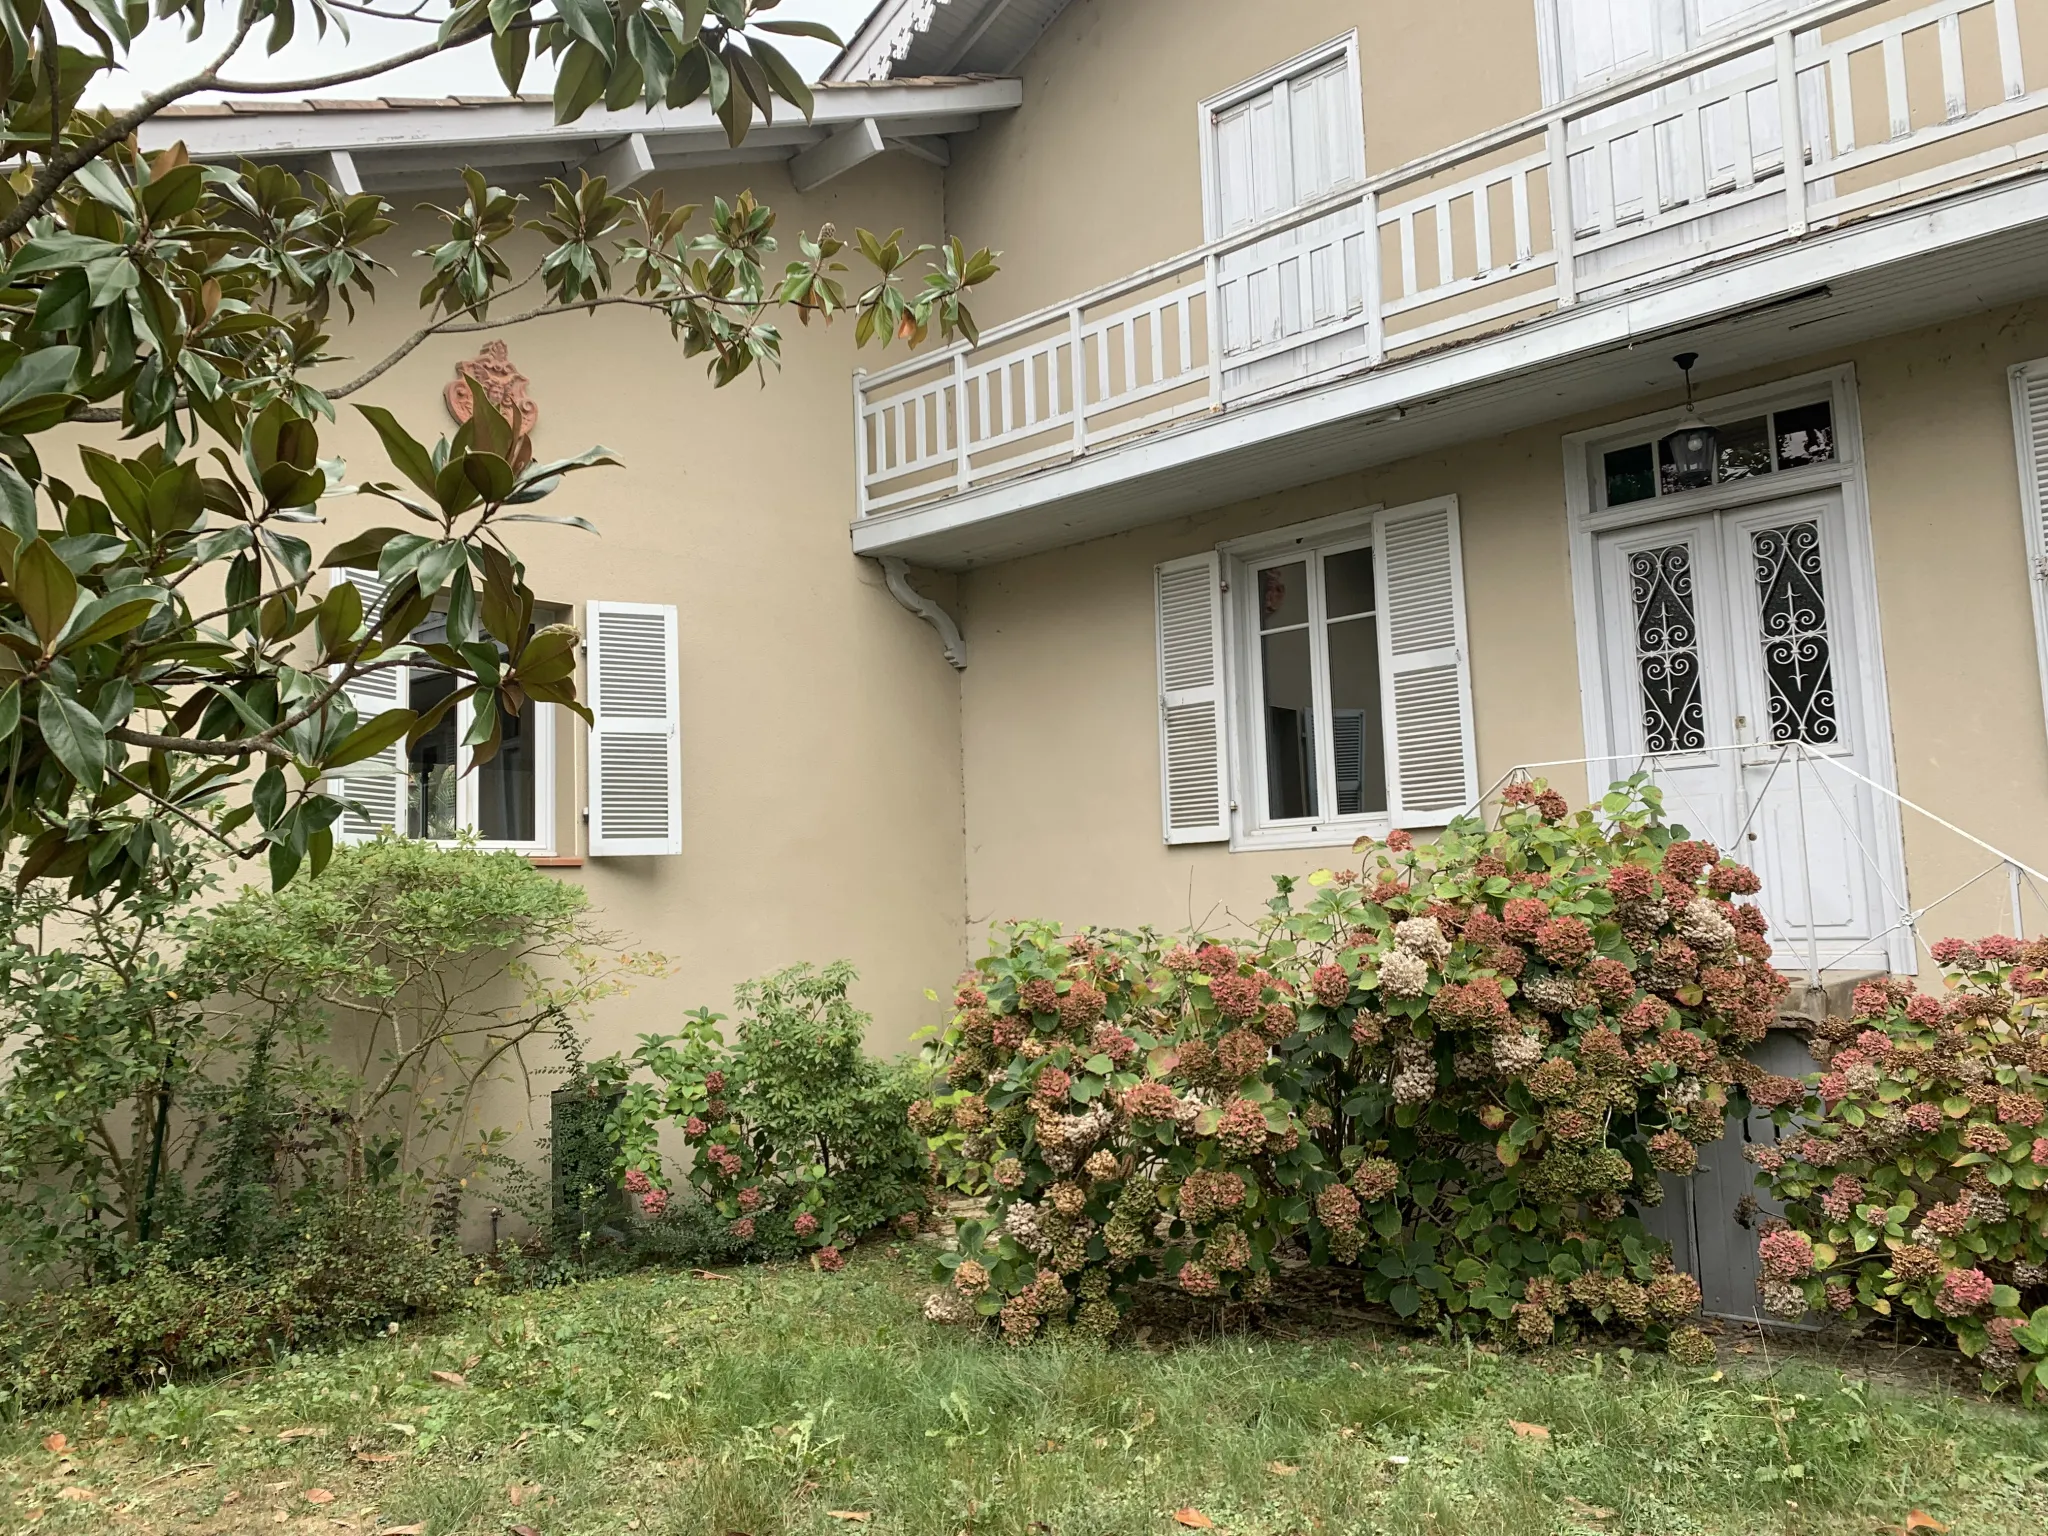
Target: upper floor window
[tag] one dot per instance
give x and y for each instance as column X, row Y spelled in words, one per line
column 1587, row 43
column 1289, row 137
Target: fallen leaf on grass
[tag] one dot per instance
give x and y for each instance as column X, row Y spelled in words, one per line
column 449, row 1378
column 319, row 1496
column 404, row 1530
column 1920, row 1520
column 1587, row 1511
column 232, row 1496
column 519, row 1493
column 374, row 1457
column 1529, row 1431
column 77, row 1495
column 711, row 1274
column 850, row 1514
column 1281, row 1469
column 54, row 1442
column 303, row 1432
column 524, row 1530
column 1193, row 1519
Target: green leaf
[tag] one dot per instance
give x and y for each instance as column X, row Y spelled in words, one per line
column 106, row 618
column 406, row 453
column 75, row 735
column 361, row 552
column 46, row 589
column 10, row 710
column 368, row 740
column 590, row 20
column 579, row 84
column 17, row 504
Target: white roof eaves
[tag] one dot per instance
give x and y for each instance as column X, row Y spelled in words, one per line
column 297, row 128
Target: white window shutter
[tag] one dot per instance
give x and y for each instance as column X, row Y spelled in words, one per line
column 636, row 766
column 375, row 787
column 1426, row 680
column 2030, row 433
column 1194, row 784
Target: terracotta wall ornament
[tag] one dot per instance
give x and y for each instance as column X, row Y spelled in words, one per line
column 501, row 382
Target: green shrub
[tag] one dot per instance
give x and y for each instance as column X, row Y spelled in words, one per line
column 792, row 1122
column 1916, row 1188
column 352, row 1268
column 1457, row 1072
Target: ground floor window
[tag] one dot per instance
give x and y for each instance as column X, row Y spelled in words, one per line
column 1314, row 683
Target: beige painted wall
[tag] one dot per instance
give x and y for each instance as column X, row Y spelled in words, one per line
column 820, row 747
column 1060, row 708
column 1099, row 173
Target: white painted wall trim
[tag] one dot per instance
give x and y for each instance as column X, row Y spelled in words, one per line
column 623, row 163
column 897, row 574
column 835, row 155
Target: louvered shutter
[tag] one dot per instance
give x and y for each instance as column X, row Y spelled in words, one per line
column 1194, row 783
column 2030, row 433
column 1427, row 688
column 636, row 768
column 375, row 787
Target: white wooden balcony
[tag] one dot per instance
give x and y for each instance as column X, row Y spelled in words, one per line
column 1665, row 199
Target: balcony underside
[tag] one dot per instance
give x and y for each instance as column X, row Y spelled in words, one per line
column 1888, row 274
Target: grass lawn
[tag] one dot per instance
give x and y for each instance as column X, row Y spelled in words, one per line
column 783, row 1401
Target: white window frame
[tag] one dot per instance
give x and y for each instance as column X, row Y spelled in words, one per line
column 541, row 716
column 1250, row 830
column 1344, row 48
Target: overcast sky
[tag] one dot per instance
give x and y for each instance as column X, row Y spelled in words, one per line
column 162, row 55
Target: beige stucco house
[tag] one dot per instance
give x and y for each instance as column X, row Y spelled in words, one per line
column 1324, row 461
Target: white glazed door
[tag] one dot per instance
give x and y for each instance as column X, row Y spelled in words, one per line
column 1289, row 145
column 1730, row 638
column 1603, row 40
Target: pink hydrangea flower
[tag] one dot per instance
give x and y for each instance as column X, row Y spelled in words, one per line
column 831, row 1260
column 743, row 1229
column 654, row 1202
column 637, row 1182
column 1963, row 1291
column 805, row 1225
column 1785, row 1254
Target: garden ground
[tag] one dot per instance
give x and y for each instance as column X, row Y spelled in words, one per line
column 777, row 1400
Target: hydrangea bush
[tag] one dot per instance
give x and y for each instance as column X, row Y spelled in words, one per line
column 1916, row 1181
column 791, row 1122
column 1454, row 1071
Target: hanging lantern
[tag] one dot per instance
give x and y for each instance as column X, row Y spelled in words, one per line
column 1689, row 453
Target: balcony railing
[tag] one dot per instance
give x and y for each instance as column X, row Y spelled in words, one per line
column 1629, row 185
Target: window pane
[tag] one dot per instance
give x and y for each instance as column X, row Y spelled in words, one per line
column 1805, row 436
column 1283, row 595
column 1745, row 449
column 1669, row 476
column 1795, row 632
column 1290, row 725
column 1347, row 583
column 504, row 785
column 1355, row 739
column 1667, row 641
column 1631, row 475
column 431, row 768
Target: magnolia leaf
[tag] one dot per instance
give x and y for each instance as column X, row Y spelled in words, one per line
column 75, row 734
column 1193, row 1519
